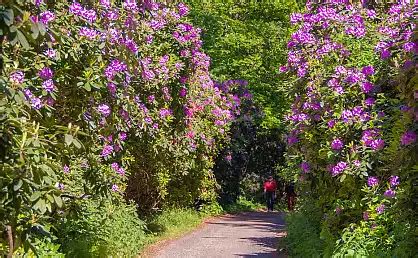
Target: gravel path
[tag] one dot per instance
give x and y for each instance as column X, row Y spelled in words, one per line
column 253, row 234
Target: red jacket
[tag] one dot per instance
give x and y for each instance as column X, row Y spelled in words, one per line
column 270, row 186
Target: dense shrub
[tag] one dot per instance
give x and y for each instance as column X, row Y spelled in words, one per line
column 94, row 229
column 352, row 138
column 99, row 97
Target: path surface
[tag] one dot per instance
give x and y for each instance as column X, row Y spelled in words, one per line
column 253, row 234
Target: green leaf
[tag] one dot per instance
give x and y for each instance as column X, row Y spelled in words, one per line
column 342, row 178
column 22, row 40
column 58, row 200
column 35, row 196
column 8, row 17
column 77, row 143
column 68, row 139
column 18, row 185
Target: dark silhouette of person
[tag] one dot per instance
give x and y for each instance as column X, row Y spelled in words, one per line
column 290, row 196
column 270, row 187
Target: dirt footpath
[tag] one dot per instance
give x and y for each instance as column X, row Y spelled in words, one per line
column 252, row 234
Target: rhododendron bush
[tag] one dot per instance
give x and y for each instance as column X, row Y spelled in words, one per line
column 98, row 98
column 352, row 124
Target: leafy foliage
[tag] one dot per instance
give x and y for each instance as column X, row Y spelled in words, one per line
column 352, row 125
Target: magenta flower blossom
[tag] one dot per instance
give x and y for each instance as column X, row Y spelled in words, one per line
column 337, row 144
column 183, row 92
column 36, row 103
column 104, row 109
column 114, row 68
column 331, row 123
column 357, row 163
column 389, row 193
column 51, row 53
column 380, row 209
column 372, row 181
column 107, row 150
column 48, row 85
column 105, row 3
column 339, row 168
column 367, row 87
column 183, row 9
column 228, row 157
column 369, row 101
column 66, row 169
column 114, row 166
column 408, row 138
column 89, row 33
column 47, row 17
column 123, row 136
column 164, row 112
column 366, row 215
column 368, row 70
column 17, row 77
column 151, row 98
column 305, row 167
column 394, row 180
column 46, row 73
column 115, row 188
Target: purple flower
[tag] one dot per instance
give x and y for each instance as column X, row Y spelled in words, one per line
column 112, row 88
column 183, row 92
column 66, row 169
column 115, row 188
column 372, row 181
column 389, row 193
column 368, row 70
column 60, row 186
column 183, row 9
column 331, row 123
column 17, row 77
column 151, row 98
column 90, row 34
column 105, row 3
column 380, row 209
column 114, row 166
column 164, row 112
column 394, row 180
column 339, row 168
column 104, row 110
column 305, row 167
column 338, row 210
column 377, row 144
column 48, row 85
column 46, row 73
column 366, row 87
column 148, row 120
column 121, row 171
column 46, row 17
column 114, row 68
column 357, row 163
column 385, row 54
column 130, row 5
column 337, row 144
column 369, row 101
column 228, row 157
column 366, row 215
column 36, row 103
column 107, row 150
column 409, row 46
column 123, row 136
column 51, row 53
column 283, row 69
column 408, row 138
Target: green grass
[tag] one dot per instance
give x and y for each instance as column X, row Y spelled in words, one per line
column 171, row 224
column 242, row 205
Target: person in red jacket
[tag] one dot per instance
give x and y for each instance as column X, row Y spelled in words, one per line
column 270, row 187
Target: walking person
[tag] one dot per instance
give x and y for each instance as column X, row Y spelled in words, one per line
column 290, row 195
column 270, row 187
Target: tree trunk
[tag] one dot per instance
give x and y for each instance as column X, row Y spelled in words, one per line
column 10, row 239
